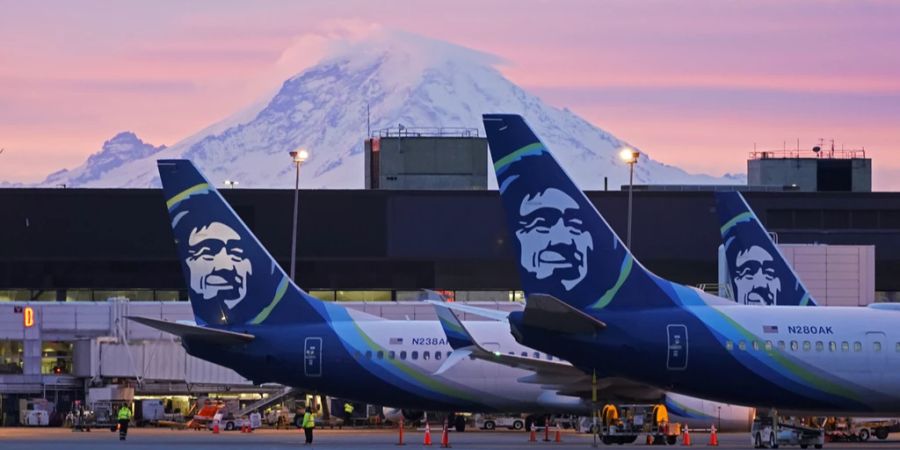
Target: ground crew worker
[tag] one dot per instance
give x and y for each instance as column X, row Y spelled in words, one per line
column 348, row 413
column 309, row 423
column 124, row 417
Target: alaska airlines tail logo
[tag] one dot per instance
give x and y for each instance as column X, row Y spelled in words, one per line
column 552, row 237
column 565, row 247
column 549, row 224
column 758, row 274
column 218, row 268
column 753, row 274
column 231, row 277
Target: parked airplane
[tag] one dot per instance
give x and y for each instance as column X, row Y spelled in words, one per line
column 250, row 317
column 592, row 303
column 758, row 273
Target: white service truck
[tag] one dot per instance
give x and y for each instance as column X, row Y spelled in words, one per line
column 768, row 432
column 494, row 422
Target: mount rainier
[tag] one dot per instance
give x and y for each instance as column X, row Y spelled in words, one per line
column 402, row 79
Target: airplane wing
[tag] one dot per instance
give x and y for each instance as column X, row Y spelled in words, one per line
column 462, row 341
column 548, row 312
column 194, row 332
column 560, row 376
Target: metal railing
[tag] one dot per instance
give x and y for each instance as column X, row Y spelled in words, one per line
column 796, row 154
column 404, row 132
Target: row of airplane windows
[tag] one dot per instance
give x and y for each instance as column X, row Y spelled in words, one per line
column 426, row 355
column 807, row 346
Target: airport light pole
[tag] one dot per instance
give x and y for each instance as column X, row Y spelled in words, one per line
column 629, row 156
column 298, row 156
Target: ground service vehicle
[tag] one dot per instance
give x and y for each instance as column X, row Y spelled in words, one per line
column 768, row 432
column 494, row 422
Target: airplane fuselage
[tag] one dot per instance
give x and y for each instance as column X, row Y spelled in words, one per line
column 397, row 364
column 798, row 358
column 390, row 363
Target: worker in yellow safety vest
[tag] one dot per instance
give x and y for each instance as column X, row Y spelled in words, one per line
column 123, row 416
column 348, row 413
column 308, row 424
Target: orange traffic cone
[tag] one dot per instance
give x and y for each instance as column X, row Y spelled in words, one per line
column 427, row 434
column 216, row 427
column 400, row 441
column 558, row 433
column 649, row 440
column 532, row 437
column 686, row 437
column 713, row 437
column 547, row 430
column 445, row 436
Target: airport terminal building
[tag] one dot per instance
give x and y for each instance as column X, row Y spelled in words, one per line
column 75, row 262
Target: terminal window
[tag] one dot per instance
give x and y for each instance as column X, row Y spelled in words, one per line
column 56, row 357
column 11, row 361
column 142, row 295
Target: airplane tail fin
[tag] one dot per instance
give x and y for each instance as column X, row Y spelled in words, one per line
column 232, row 279
column 753, row 260
column 565, row 248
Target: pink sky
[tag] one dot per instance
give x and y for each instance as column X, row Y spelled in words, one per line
column 694, row 83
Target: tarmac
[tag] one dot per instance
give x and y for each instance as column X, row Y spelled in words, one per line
column 155, row 438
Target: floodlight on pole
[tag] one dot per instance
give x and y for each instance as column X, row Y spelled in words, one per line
column 298, row 156
column 629, row 156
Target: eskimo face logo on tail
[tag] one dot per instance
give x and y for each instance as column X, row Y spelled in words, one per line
column 219, row 270
column 552, row 237
column 754, row 270
column 755, row 280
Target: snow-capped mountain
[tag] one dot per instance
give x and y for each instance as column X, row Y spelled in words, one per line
column 121, row 149
column 403, row 79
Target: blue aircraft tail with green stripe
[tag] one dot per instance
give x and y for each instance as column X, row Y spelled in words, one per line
column 232, row 280
column 758, row 273
column 563, row 245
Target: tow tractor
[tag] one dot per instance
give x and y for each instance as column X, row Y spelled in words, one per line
column 769, row 432
column 617, row 429
column 624, row 424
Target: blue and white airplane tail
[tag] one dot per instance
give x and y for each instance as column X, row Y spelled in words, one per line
column 758, row 273
column 232, row 279
column 566, row 249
